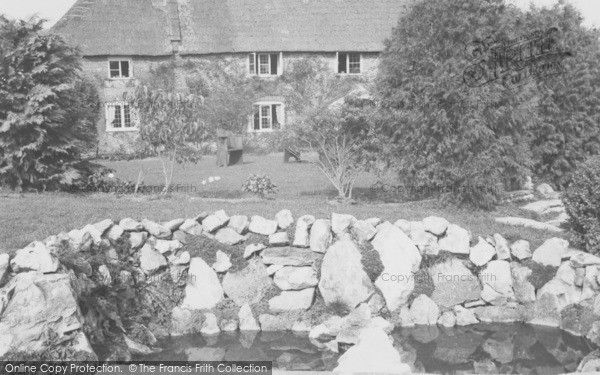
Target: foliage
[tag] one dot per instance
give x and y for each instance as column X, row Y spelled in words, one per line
column 582, row 203
column 540, row 274
column 259, row 185
column 371, row 261
column 169, row 127
column 435, row 136
column 568, row 110
column 105, row 182
column 47, row 112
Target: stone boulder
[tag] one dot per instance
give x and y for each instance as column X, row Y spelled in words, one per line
column 192, row 227
column 174, row 224
column 137, row 239
column 482, row 253
column 520, row 249
column 551, row 252
column 167, row 246
column 270, row 323
column 39, row 303
column 424, row 311
column 210, row 326
column 436, row 225
column 223, row 263
column 296, row 278
column 290, row 300
column 260, row 225
column 497, row 282
column 156, row 230
column 151, row 260
column 399, row 256
column 373, row 353
column 546, row 311
column 582, row 260
column 363, row 231
column 279, row 239
column 228, row 236
column 453, row 283
column 184, row 321
column 578, row 319
column 212, row 223
column 501, row 314
column 253, row 249
column 343, row 279
column 302, row 234
column 130, row 225
column 464, row 317
column 285, row 219
column 524, row 290
column 248, row 285
column 340, row 223
column 115, row 233
column 457, row 240
column 247, row 320
column 288, row 256
column 35, row 257
column 447, row 319
column 546, row 191
column 239, row 223
column 502, row 248
column 320, row 235
column 203, row 289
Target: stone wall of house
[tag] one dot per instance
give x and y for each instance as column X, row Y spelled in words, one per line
column 110, row 89
column 229, row 273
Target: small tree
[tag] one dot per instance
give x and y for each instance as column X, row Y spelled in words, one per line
column 169, row 126
column 47, row 113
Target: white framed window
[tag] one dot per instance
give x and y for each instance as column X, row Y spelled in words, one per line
column 266, row 117
column 349, row 63
column 265, row 64
column 120, row 117
column 120, row 69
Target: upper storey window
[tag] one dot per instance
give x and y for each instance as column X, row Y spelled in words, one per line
column 119, row 69
column 265, row 64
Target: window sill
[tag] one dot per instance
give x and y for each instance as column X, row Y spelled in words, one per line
column 261, row 131
column 264, row 76
column 119, row 79
column 350, row 74
column 122, row 130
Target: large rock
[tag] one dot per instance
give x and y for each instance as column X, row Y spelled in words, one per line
column 500, row 314
column 247, row 320
column 399, row 256
column 296, row 278
column 436, row 225
column 566, row 293
column 546, row 311
column 279, row 239
column 546, row 191
column 40, row 303
column 248, row 285
column 527, row 223
column 524, row 290
column 137, row 239
column 115, row 233
column 229, row 237
column 363, row 231
column 192, row 227
column 302, row 234
column 203, row 290
column 374, row 353
column 424, row 311
column 239, row 223
column 464, row 317
column 155, row 229
column 288, row 256
column 502, row 249
column 457, row 240
column 184, row 321
column 223, row 263
column 35, row 257
column 340, row 223
column 131, row 225
column 551, row 252
column 167, row 246
column 213, row 222
column 270, row 323
column 520, row 249
column 482, row 253
column 260, row 225
column 320, row 235
column 285, row 219
column 151, row 260
column 290, row 300
column 578, row 319
column 174, row 224
column 343, row 279
column 582, row 260
column 496, row 279
column 210, row 326
column 453, row 283
column 253, row 249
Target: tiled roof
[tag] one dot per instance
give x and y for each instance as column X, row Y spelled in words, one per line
column 146, row 27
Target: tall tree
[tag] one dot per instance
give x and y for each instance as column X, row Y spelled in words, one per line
column 44, row 117
column 443, row 134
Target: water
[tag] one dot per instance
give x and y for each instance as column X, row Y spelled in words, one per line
column 483, row 348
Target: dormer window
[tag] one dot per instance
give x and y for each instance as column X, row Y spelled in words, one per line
column 349, row 63
column 119, row 69
column 265, row 64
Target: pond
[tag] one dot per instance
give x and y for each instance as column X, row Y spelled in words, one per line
column 482, row 348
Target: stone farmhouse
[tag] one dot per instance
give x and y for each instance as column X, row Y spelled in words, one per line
column 121, row 40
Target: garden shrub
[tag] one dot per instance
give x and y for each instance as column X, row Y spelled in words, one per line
column 259, row 185
column 540, row 274
column 582, row 203
column 47, row 111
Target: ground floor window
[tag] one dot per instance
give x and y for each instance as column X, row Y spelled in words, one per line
column 120, row 117
column 349, row 63
column 265, row 64
column 267, row 116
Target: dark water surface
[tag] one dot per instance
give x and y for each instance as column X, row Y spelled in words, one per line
column 482, row 348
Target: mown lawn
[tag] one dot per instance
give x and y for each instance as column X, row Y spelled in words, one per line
column 301, row 188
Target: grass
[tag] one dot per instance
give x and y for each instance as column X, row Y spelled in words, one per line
column 301, row 188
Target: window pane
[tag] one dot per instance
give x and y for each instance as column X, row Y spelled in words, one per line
column 354, row 59
column 127, row 116
column 274, row 67
column 125, row 69
column 115, row 73
column 256, row 117
column 264, row 64
column 114, row 65
column 252, row 66
column 342, row 63
column 117, row 121
column 265, row 117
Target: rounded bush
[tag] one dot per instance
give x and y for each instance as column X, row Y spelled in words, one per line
column 582, row 202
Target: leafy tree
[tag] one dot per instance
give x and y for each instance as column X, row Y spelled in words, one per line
column 568, row 107
column 170, row 126
column 45, row 118
column 469, row 142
